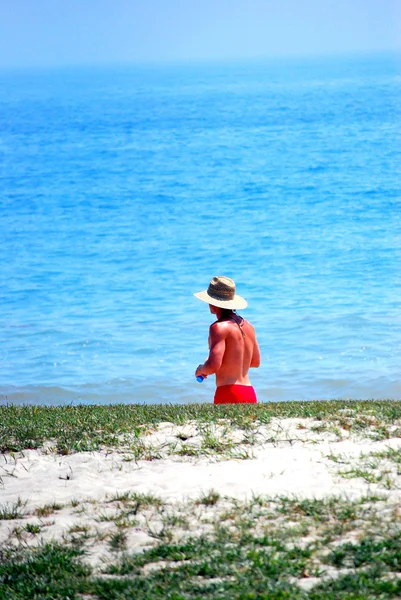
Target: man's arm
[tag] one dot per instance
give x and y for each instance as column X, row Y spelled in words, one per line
column 255, row 361
column 217, row 347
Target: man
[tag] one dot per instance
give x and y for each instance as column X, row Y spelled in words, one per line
column 233, row 347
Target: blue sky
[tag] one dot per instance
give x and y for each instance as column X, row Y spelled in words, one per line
column 70, row 32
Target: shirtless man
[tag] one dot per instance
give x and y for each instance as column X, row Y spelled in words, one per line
column 233, row 347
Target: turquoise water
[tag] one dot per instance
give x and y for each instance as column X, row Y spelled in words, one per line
column 124, row 190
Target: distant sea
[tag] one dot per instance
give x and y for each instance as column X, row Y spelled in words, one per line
column 124, row 190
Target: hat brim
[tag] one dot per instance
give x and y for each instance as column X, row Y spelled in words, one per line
column 236, row 302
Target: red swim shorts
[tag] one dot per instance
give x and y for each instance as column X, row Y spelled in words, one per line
column 235, row 394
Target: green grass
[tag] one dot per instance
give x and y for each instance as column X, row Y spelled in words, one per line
column 85, row 428
column 209, row 499
column 118, row 541
column 391, row 454
column 48, row 509
column 214, row 568
column 320, row 510
column 134, row 500
column 380, row 467
column 257, row 549
column 49, row 572
column 385, row 552
column 362, row 585
column 230, row 564
column 11, row 511
column 33, row 528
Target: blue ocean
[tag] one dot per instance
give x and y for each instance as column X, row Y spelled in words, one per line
column 124, row 190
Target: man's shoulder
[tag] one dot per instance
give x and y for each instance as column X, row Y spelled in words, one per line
column 248, row 327
column 216, row 325
column 219, row 327
column 249, row 324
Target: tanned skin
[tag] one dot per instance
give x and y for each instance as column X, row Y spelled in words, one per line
column 233, row 349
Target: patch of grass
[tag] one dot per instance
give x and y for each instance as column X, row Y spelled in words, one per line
column 48, row 509
column 240, row 453
column 209, row 499
column 213, row 443
column 321, row 428
column 121, row 497
column 133, row 503
column 391, row 454
column 330, row 517
column 264, row 548
column 319, row 510
column 367, row 475
column 142, row 451
column 85, row 529
column 369, row 584
column 77, row 535
column 107, row 517
column 48, row 572
column 87, row 428
column 385, row 551
column 163, row 533
column 135, row 499
column 175, row 520
column 372, row 468
column 338, row 458
column 118, row 541
column 15, row 510
column 123, row 521
column 33, row 528
column 223, row 567
column 189, row 450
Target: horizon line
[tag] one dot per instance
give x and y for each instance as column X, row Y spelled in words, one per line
column 207, row 61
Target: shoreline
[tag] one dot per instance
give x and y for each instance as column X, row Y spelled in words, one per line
column 166, row 391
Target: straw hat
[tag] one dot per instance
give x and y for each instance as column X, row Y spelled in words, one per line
column 221, row 292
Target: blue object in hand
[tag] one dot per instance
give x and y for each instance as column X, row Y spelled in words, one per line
column 200, row 378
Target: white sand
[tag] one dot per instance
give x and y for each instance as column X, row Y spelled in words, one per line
column 295, row 463
column 289, row 459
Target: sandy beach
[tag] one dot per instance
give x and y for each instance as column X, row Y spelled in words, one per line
column 89, row 492
column 288, row 457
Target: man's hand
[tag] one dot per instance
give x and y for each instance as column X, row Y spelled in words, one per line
column 199, row 371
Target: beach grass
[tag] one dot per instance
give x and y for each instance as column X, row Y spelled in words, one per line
column 212, row 547
column 267, row 548
column 87, row 428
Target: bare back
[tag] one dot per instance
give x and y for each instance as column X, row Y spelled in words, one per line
column 240, row 351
